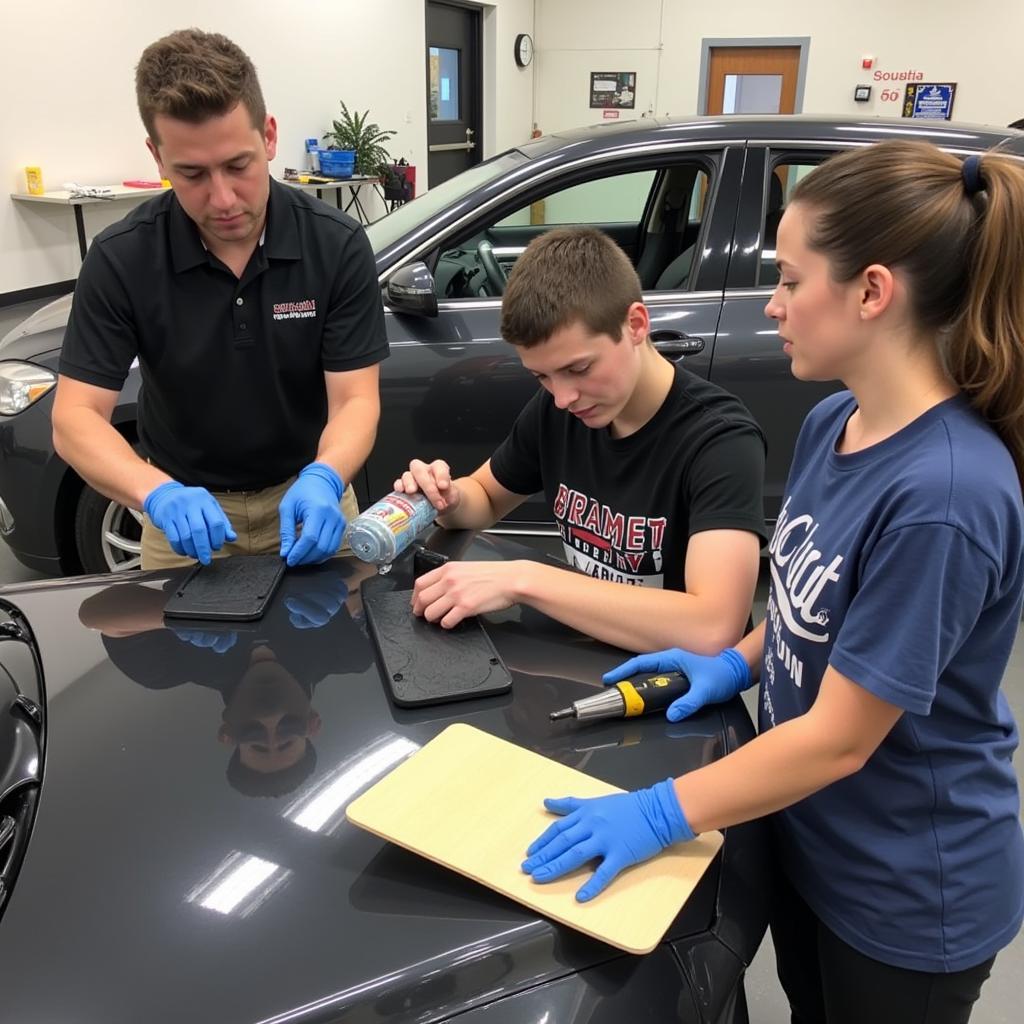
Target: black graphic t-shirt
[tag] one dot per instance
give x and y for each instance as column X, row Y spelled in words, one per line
column 626, row 507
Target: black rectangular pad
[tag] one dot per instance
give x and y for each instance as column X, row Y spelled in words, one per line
column 234, row 589
column 424, row 663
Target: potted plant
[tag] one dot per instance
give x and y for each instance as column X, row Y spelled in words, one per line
column 365, row 138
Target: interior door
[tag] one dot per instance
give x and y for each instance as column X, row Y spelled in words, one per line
column 753, row 79
column 454, row 87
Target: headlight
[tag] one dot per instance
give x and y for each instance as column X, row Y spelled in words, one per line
column 22, row 384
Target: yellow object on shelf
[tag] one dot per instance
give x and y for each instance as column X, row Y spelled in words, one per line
column 34, row 180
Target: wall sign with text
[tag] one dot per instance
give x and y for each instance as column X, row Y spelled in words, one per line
column 613, row 89
column 933, row 100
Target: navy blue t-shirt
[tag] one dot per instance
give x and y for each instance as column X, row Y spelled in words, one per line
column 902, row 567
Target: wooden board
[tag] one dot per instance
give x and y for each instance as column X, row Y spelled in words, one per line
column 473, row 802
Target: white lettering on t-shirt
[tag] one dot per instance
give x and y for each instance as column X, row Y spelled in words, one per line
column 800, row 575
column 797, row 591
column 601, row 571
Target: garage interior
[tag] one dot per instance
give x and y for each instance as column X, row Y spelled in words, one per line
column 539, row 63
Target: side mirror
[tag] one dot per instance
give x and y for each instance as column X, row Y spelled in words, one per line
column 410, row 289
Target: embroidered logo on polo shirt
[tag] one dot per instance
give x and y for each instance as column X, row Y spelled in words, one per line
column 301, row 310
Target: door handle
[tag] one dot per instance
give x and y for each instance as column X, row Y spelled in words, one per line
column 674, row 345
column 444, row 147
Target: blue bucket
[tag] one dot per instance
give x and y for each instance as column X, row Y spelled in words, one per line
column 337, row 163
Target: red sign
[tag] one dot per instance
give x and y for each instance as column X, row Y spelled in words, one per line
column 610, row 115
column 899, row 76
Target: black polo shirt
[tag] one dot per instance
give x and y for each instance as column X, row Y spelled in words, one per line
column 233, row 393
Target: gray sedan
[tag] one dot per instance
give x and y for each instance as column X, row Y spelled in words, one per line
column 694, row 203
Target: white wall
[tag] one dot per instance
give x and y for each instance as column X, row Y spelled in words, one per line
column 575, row 37
column 977, row 46
column 68, row 98
column 508, row 88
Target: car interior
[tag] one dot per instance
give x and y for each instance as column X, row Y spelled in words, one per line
column 781, row 182
column 662, row 244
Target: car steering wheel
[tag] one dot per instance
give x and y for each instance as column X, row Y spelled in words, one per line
column 493, row 270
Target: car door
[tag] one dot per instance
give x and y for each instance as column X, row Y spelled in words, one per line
column 749, row 360
column 452, row 387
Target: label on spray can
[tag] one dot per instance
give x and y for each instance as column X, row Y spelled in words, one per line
column 386, row 529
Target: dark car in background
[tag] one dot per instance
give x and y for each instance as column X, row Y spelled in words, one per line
column 173, row 841
column 694, row 203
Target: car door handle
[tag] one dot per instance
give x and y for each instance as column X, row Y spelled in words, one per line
column 674, row 345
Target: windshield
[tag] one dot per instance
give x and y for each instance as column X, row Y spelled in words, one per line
column 389, row 229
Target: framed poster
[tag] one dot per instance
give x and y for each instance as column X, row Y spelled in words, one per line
column 933, row 100
column 613, row 89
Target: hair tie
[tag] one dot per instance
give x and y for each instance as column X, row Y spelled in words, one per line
column 971, row 173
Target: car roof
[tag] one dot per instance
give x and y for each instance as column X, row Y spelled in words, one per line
column 782, row 128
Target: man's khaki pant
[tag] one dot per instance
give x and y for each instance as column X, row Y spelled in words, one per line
column 253, row 514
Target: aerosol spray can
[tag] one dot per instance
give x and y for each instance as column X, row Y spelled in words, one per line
column 312, row 156
column 386, row 529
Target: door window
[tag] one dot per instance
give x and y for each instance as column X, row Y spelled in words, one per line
column 655, row 216
column 781, row 182
column 444, row 84
column 752, row 94
column 615, row 200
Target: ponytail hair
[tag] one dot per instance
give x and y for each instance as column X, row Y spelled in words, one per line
column 956, row 233
column 985, row 355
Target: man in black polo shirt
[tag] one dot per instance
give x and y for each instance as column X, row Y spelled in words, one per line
column 255, row 315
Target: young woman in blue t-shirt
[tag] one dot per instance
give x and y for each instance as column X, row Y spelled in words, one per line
column 897, row 574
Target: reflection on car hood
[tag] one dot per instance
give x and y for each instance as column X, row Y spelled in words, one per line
column 160, row 885
column 51, row 317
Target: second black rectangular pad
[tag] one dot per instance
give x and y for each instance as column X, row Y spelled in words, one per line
column 424, row 663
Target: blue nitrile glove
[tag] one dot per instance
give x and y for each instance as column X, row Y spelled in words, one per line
column 194, row 524
column 218, row 642
column 712, row 680
column 319, row 602
column 620, row 830
column 314, row 502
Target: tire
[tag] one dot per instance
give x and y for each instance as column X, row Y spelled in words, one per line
column 108, row 535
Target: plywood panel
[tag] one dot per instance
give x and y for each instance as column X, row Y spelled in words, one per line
column 473, row 802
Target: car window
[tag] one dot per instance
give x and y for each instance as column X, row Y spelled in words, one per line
column 619, row 199
column 405, row 218
column 781, row 182
column 655, row 216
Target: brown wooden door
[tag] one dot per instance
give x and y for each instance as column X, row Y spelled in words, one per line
column 752, row 79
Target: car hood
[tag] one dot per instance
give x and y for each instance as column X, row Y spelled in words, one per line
column 160, row 886
column 38, row 335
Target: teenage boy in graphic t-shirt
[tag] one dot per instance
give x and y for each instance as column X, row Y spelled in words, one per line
column 654, row 475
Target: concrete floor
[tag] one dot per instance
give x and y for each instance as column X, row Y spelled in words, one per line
column 1000, row 998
